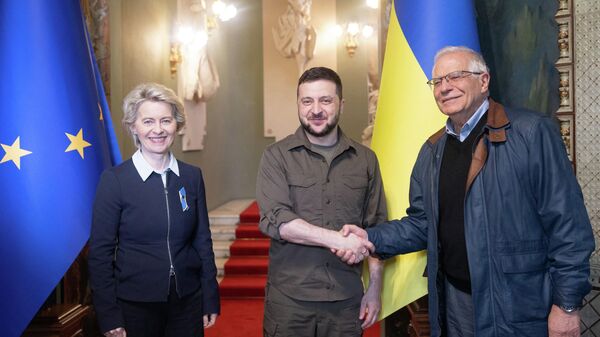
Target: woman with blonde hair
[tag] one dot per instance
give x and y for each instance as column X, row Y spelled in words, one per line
column 151, row 261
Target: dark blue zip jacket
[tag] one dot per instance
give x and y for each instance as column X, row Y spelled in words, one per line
column 527, row 231
column 129, row 250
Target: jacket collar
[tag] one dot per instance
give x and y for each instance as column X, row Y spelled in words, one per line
column 497, row 121
column 145, row 170
column 299, row 139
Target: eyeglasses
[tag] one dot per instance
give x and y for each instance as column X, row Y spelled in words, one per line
column 451, row 78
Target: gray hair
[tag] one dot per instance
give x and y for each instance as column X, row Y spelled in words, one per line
column 477, row 63
column 150, row 92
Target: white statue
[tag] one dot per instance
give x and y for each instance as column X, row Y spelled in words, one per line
column 294, row 36
column 198, row 79
column 199, row 76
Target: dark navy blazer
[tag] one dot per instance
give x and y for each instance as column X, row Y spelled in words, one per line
column 135, row 224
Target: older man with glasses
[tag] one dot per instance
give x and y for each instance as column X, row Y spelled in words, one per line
column 494, row 200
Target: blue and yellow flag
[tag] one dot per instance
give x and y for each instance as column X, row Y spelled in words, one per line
column 407, row 115
column 55, row 140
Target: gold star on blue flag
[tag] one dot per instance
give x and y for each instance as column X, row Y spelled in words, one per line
column 14, row 153
column 49, row 86
column 77, row 143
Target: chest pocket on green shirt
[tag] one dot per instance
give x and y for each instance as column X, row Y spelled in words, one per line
column 351, row 197
column 305, row 196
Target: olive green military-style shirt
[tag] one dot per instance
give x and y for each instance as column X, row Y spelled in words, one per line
column 296, row 182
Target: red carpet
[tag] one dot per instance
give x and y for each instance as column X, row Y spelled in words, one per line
column 239, row 318
column 243, row 286
column 251, row 214
column 246, row 269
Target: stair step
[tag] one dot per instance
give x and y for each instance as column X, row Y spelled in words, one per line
column 250, row 247
column 223, row 232
column 223, row 236
column 220, row 262
column 246, row 265
column 249, row 218
column 223, row 228
column 249, row 231
column 243, row 286
column 253, row 223
column 251, row 214
column 221, row 248
column 228, row 213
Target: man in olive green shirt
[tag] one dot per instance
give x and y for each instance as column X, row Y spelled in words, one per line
column 309, row 185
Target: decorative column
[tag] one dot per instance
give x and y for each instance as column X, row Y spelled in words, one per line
column 564, row 64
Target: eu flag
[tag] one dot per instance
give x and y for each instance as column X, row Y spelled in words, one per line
column 56, row 138
column 407, row 115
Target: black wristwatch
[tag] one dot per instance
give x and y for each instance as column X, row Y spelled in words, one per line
column 569, row 308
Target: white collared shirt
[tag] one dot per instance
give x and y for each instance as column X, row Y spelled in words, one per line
column 470, row 124
column 145, row 170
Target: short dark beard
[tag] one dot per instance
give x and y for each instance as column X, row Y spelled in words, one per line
column 329, row 127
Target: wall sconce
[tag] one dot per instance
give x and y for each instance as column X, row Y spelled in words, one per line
column 189, row 39
column 374, row 4
column 174, row 58
column 353, row 31
column 222, row 11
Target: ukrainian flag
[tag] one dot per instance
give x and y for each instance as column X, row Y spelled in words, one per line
column 407, row 115
column 56, row 138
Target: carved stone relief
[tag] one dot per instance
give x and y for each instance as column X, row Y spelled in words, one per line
column 565, row 88
column 565, row 41
column 566, row 110
column 294, row 35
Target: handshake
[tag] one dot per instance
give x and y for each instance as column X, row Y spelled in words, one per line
column 354, row 245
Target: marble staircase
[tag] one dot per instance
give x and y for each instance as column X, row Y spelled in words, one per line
column 223, row 223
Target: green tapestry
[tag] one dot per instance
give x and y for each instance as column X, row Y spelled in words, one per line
column 519, row 42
